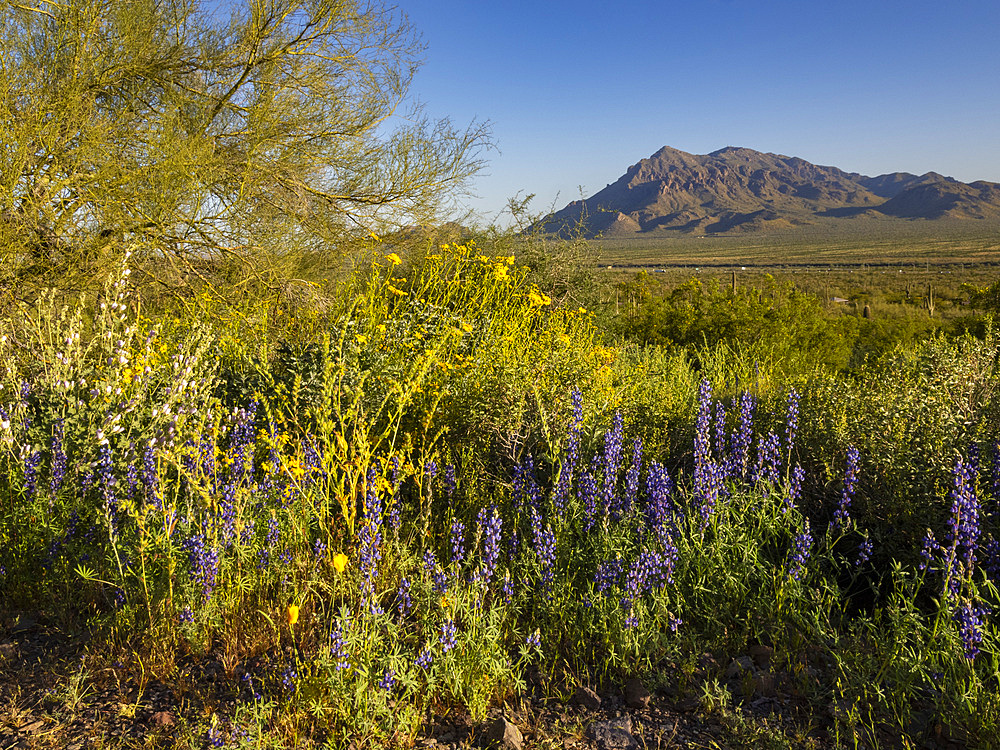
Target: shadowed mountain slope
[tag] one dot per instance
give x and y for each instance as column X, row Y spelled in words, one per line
column 741, row 190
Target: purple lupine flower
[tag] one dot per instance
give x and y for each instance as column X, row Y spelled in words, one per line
column 252, row 687
column 457, row 542
column 431, row 470
column 312, row 461
column 424, row 658
column 448, row 636
column 319, row 550
column 450, row 481
column 288, row 678
column 403, row 601
column 972, row 460
column 791, row 421
column 660, row 507
column 611, row 462
column 743, row 436
column 963, row 524
column 149, row 476
column 132, row 474
column 842, row 515
column 272, row 477
column 534, row 640
column 490, row 528
column 227, row 512
column 794, row 487
column 270, row 542
column 711, row 487
column 370, row 542
column 631, row 618
column 990, row 551
column 720, row 432
column 864, row 552
column 928, row 549
column 388, row 680
column 214, row 737
column 608, row 575
column 31, row 463
column 241, row 438
column 651, row 570
column 433, row 570
column 631, row 480
column 507, row 588
column 203, row 562
column 104, row 468
column 798, row 555
column 186, row 616
column 545, row 549
column 768, row 460
column 970, row 619
column 59, row 458
column 338, row 647
column 568, row 466
column 525, row 487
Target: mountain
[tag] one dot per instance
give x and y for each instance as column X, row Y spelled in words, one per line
column 741, row 190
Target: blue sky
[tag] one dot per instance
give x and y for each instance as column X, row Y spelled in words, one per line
column 578, row 91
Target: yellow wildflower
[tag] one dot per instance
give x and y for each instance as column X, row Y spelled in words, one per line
column 340, row 562
column 394, row 290
column 393, row 258
column 361, row 339
column 295, row 468
column 292, row 615
column 467, row 327
column 537, row 299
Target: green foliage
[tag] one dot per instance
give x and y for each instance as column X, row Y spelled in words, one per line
column 226, row 150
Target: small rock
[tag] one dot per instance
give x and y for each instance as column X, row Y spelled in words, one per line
column 765, row 684
column 501, row 732
column 24, row 624
column 669, row 690
column 35, row 726
column 762, row 655
column 686, row 705
column 612, row 735
column 587, row 698
column 636, row 695
column 708, row 663
column 738, row 666
column 163, row 719
column 428, row 742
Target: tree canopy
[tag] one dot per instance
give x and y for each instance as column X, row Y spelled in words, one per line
column 197, row 133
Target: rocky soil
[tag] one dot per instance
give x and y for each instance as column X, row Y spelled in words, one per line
column 55, row 694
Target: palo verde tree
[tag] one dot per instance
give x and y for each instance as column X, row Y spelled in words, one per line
column 260, row 133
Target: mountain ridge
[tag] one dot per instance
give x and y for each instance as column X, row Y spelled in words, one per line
column 737, row 189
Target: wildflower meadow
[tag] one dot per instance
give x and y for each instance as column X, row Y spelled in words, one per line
column 434, row 484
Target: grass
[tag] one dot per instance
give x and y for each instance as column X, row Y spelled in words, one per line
column 905, row 244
